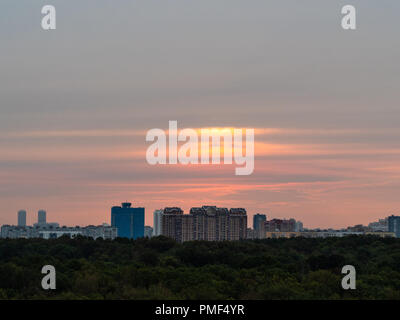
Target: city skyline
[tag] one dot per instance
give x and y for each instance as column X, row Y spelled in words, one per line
column 77, row 102
column 40, row 218
column 209, row 223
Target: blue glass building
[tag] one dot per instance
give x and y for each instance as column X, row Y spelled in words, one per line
column 394, row 225
column 258, row 219
column 128, row 221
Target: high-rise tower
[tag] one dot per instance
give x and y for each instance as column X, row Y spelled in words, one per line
column 394, row 225
column 128, row 221
column 258, row 219
column 41, row 217
column 21, row 218
column 157, row 222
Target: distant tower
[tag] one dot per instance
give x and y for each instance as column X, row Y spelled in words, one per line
column 41, row 217
column 258, row 219
column 21, row 218
column 394, row 225
column 299, row 226
column 157, row 222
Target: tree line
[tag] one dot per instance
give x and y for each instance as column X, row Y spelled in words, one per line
column 160, row 268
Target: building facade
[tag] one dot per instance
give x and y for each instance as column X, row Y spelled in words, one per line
column 16, row 232
column 207, row 223
column 51, row 231
column 148, row 232
column 394, row 225
column 21, row 218
column 380, row 225
column 258, row 220
column 157, row 222
column 280, row 225
column 105, row 231
column 128, row 221
column 299, row 226
column 41, row 217
column 324, row 234
column 176, row 225
column 259, row 225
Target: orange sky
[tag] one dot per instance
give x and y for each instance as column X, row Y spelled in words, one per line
column 78, row 176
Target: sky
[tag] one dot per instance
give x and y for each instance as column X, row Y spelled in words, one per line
column 76, row 103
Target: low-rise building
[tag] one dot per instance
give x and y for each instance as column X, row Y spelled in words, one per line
column 148, row 231
column 105, row 231
column 53, row 231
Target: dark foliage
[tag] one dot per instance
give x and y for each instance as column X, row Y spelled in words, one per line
column 160, row 268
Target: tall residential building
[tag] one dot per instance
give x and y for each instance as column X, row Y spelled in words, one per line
column 128, row 221
column 157, row 222
column 237, row 224
column 280, row 225
column 176, row 225
column 394, row 225
column 21, row 218
column 41, row 217
column 204, row 223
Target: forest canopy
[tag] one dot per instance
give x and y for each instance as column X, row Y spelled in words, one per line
column 160, row 268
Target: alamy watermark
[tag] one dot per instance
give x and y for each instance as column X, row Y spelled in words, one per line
column 349, row 280
column 49, row 280
column 348, row 20
column 49, row 20
column 197, row 148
